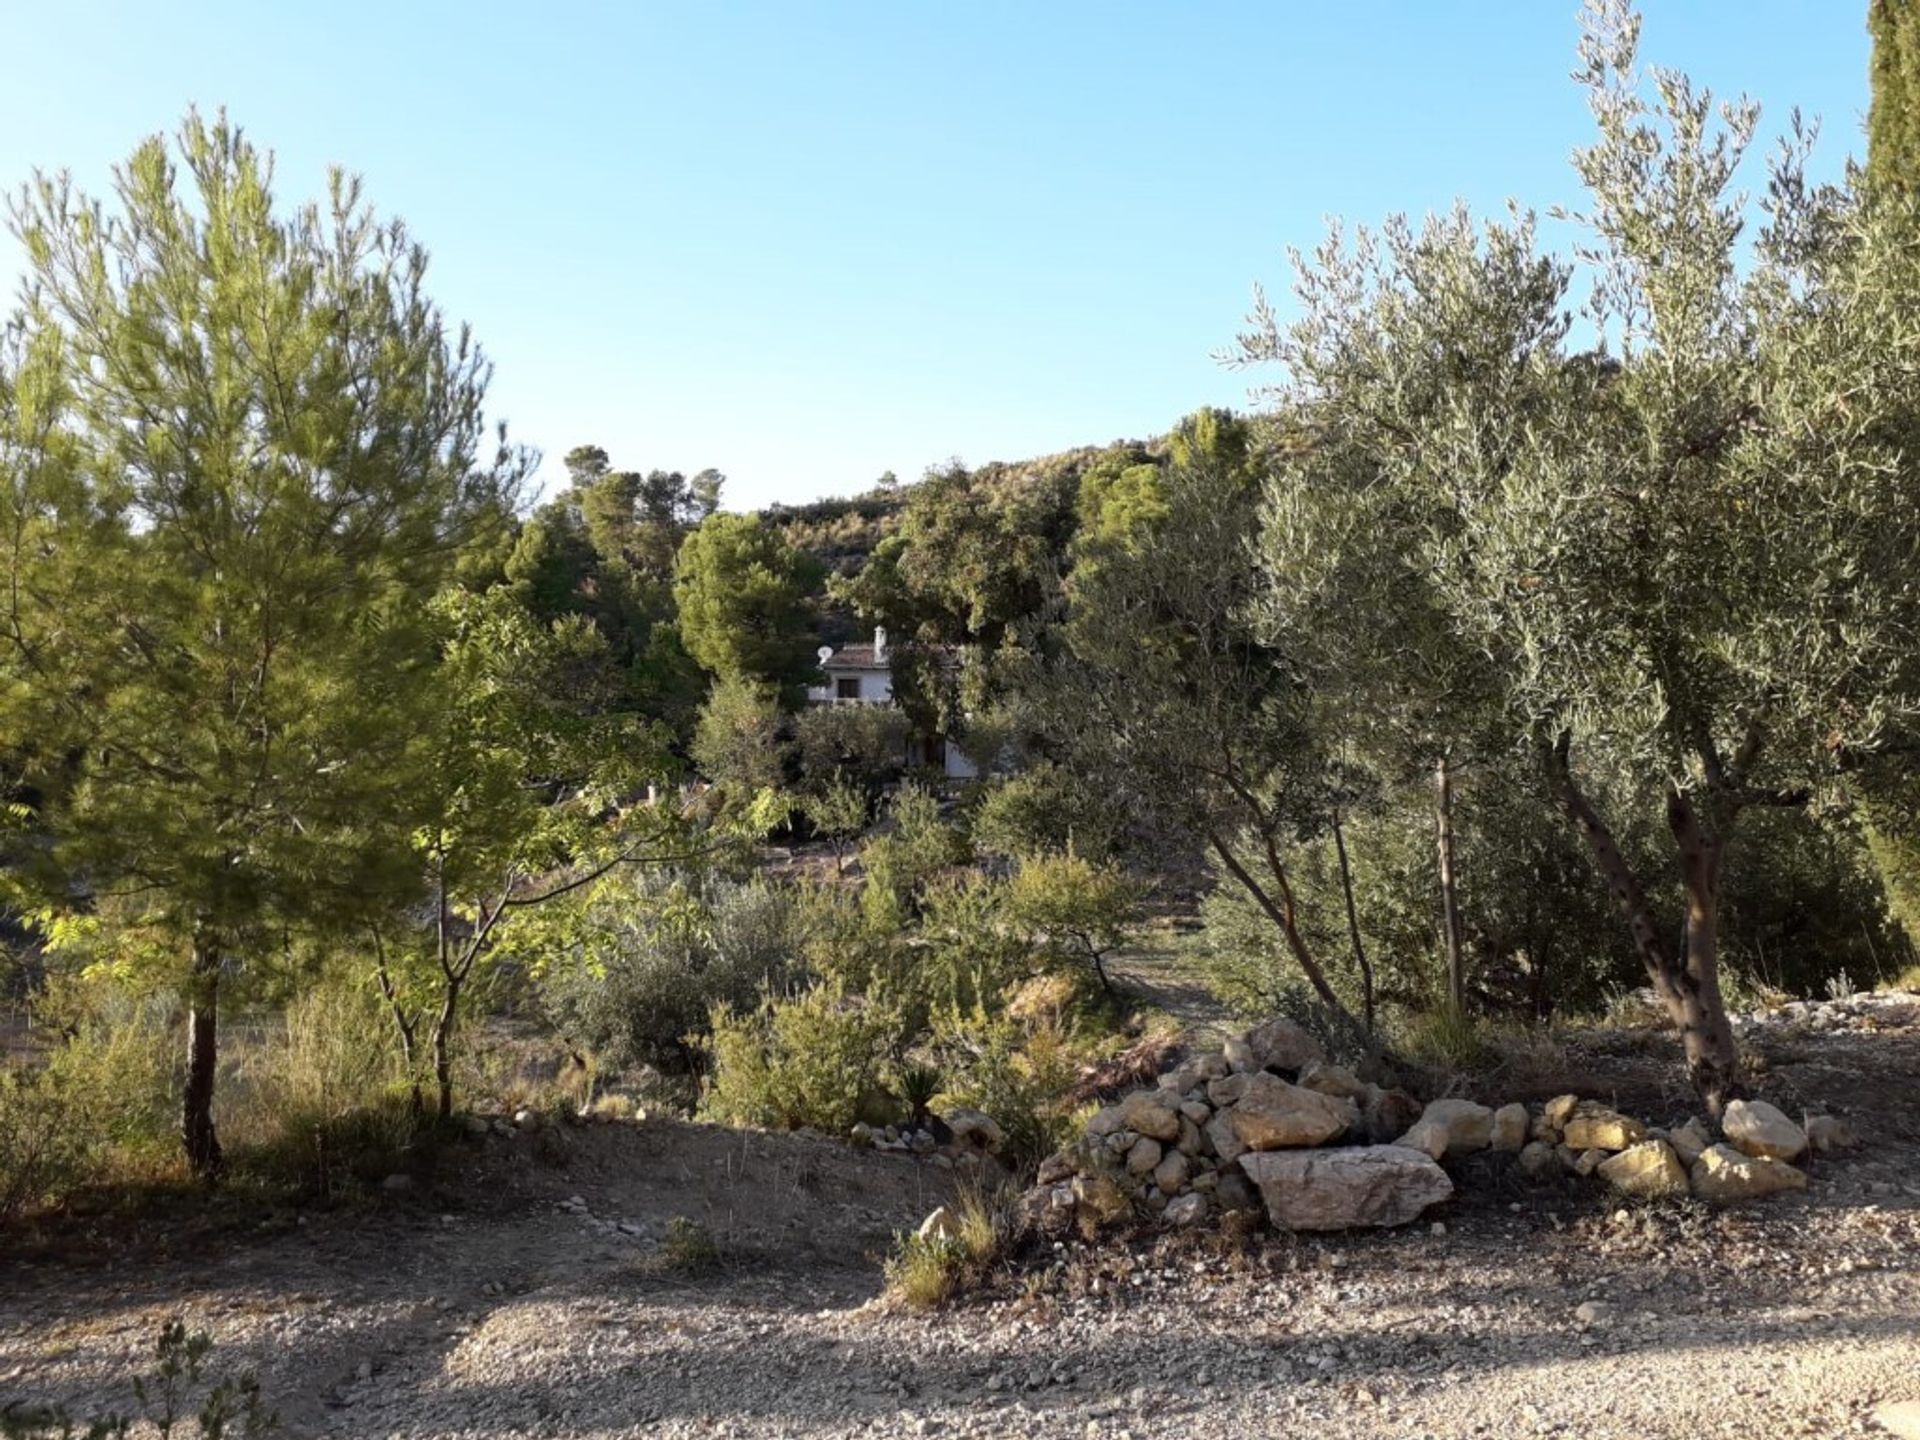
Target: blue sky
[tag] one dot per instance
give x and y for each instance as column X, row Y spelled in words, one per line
column 810, row 242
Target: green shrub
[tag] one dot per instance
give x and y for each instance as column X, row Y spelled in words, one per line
column 321, row 1102
column 809, row 1060
column 179, row 1387
column 1044, row 811
column 639, row 966
column 926, row 1270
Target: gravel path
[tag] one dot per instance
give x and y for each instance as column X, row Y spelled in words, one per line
column 524, row 1313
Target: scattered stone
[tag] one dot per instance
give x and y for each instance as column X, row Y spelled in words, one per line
column 1107, row 1121
column 1559, row 1110
column 1187, row 1211
column 1368, row 1185
column 1509, row 1132
column 1595, row 1127
column 1725, row 1174
column 1594, row 1313
column 1828, row 1133
column 1273, row 1115
column 1191, row 1141
column 1227, row 1090
column 1198, row 1111
column 1650, row 1168
column 1225, row 1140
column 1589, row 1160
column 861, row 1135
column 975, row 1129
column 1429, row 1140
column 526, row 1120
column 1758, row 1129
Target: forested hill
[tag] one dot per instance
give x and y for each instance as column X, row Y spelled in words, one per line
column 964, row 551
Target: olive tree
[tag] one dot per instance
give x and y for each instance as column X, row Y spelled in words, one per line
column 1684, row 551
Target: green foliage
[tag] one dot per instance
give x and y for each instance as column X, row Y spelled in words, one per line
column 809, row 1060
column 744, row 601
column 1017, row 1068
column 218, row 621
column 738, row 741
column 903, row 861
column 924, row 1271
column 1076, row 911
column 1047, row 809
column 630, row 971
column 1893, row 117
column 838, row 812
column 862, row 743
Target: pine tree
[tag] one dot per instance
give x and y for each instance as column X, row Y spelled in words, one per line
column 239, row 451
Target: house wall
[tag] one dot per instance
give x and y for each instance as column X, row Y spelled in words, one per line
column 876, row 687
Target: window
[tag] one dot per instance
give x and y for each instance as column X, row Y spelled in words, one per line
column 847, row 687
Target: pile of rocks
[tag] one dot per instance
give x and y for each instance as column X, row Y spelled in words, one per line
column 960, row 1137
column 1269, row 1124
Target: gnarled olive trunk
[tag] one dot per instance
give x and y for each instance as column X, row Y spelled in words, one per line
column 1688, row 982
column 203, row 1058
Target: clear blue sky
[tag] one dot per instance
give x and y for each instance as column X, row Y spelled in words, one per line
column 809, row 242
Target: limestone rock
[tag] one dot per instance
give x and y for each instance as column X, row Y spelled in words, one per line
column 975, row 1129
column 1690, row 1141
column 1273, row 1115
column 1386, row 1113
column 1467, row 1126
column 1650, row 1168
column 1099, row 1198
column 1595, row 1127
column 1227, row 1090
column 1171, row 1173
column 1589, row 1160
column 1055, row 1168
column 1107, row 1121
column 1198, row 1111
column 1429, row 1140
column 1559, row 1110
column 1346, row 1188
column 1724, row 1174
column 1225, row 1140
column 1192, row 1140
column 1827, row 1133
column 1538, row 1160
column 1283, row 1045
column 1335, row 1080
column 1758, row 1129
column 1899, row 1418
column 1509, row 1132
column 1144, row 1157
column 1152, row 1112
column 1187, row 1211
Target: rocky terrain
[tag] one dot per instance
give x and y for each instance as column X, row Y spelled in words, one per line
column 672, row 1279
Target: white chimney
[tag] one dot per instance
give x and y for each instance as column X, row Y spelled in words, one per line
column 879, row 644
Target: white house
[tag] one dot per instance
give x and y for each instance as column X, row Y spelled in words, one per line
column 863, row 675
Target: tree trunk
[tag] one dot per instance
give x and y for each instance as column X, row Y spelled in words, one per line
column 1282, row 916
column 1692, row 988
column 203, row 1056
column 1687, row 984
column 1449, row 897
column 1353, row 925
column 443, row 1047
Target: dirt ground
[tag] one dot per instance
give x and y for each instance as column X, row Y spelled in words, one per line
column 515, row 1297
